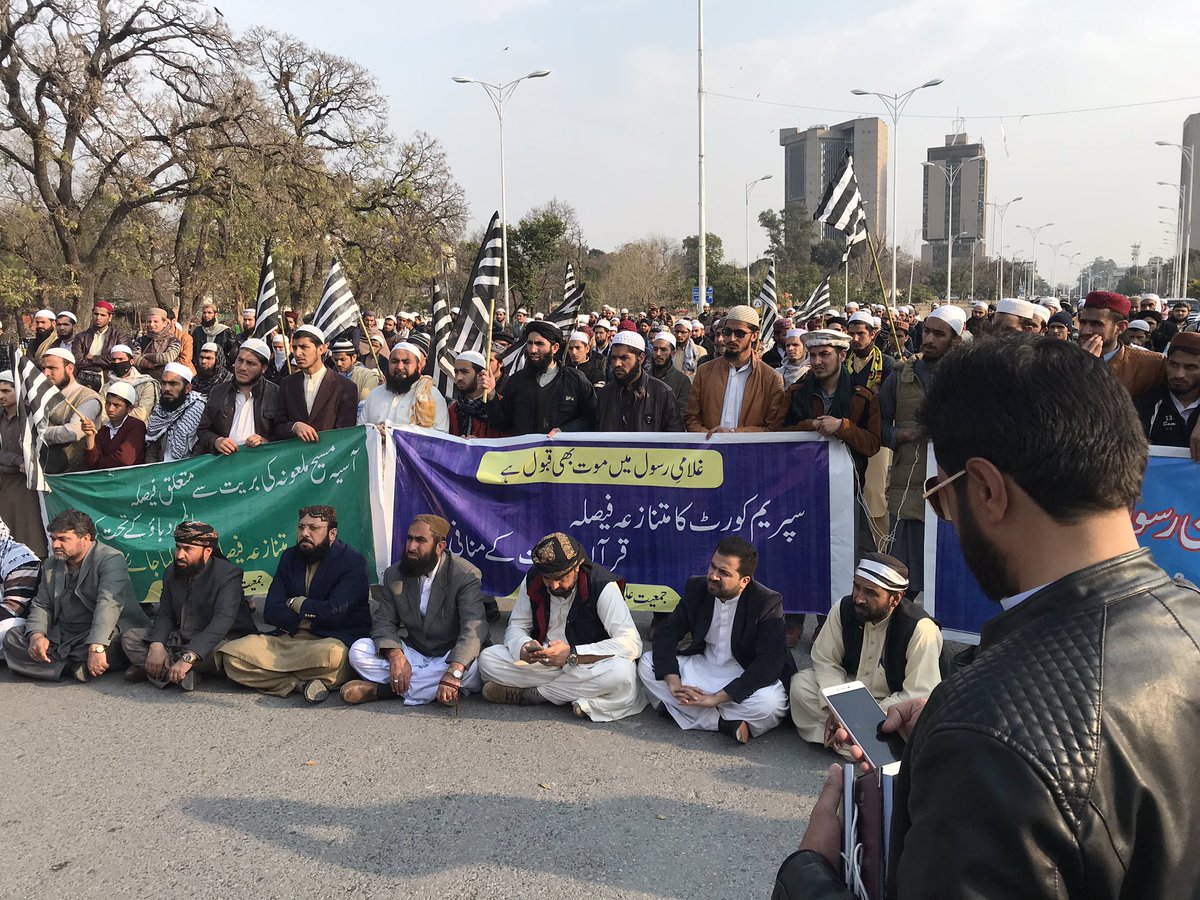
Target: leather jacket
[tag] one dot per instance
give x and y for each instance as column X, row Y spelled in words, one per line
column 1057, row 763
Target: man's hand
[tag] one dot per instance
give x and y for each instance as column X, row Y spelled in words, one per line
column 39, row 647
column 554, row 655
column 255, row 440
column 827, row 425
column 88, row 427
column 225, row 446
column 157, row 660
column 832, row 726
column 718, row 430
column 901, row 718
column 824, row 832
column 401, row 671
column 1093, row 344
column 176, row 672
column 706, row 701
column 905, row 435
column 306, row 433
column 553, row 432
column 97, row 663
column 446, row 694
column 487, row 381
column 530, row 652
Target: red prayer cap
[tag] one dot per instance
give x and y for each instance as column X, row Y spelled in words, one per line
column 1118, row 303
column 1188, row 341
column 103, row 304
column 626, row 325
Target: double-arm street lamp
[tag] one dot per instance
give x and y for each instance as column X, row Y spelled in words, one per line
column 749, row 187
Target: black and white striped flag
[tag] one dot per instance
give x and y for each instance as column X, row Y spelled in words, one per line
column 338, row 310
column 842, row 207
column 441, row 323
column 816, row 304
column 36, row 396
column 474, row 323
column 563, row 316
column 266, row 311
column 768, row 309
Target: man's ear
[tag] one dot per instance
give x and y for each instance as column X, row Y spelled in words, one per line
column 986, row 485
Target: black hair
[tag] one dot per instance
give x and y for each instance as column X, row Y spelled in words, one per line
column 73, row 520
column 1047, row 414
column 746, row 555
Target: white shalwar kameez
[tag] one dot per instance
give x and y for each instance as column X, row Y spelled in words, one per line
column 711, row 671
column 606, row 690
column 427, row 671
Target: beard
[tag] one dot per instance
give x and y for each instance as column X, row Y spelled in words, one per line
column 982, row 557
column 732, row 352
column 186, row 572
column 719, row 593
column 540, row 366
column 316, row 552
column 172, row 405
column 655, row 368
column 401, row 385
column 42, row 333
column 629, row 377
column 419, row 567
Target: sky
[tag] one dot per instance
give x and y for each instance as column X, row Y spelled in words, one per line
column 613, row 130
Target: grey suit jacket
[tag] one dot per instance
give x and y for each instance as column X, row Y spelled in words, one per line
column 103, row 589
column 453, row 623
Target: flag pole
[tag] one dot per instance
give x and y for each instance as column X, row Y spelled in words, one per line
column 887, row 308
column 487, row 352
column 363, row 323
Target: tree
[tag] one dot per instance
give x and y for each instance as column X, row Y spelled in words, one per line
column 540, row 246
column 637, row 275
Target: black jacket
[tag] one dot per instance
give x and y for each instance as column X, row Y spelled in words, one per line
column 1057, row 762
column 221, row 407
column 200, row 612
column 567, row 403
column 679, row 383
column 337, row 601
column 594, row 368
column 1161, row 420
column 650, row 406
column 226, row 340
column 759, row 644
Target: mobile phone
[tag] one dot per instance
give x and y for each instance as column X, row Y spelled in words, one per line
column 861, row 715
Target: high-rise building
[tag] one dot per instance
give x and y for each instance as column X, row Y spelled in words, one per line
column 811, row 159
column 966, row 220
column 1191, row 138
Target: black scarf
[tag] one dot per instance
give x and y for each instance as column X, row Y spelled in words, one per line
column 809, row 387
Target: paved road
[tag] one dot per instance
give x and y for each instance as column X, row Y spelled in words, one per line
column 115, row 790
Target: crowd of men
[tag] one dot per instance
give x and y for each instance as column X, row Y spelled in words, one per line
column 721, row 661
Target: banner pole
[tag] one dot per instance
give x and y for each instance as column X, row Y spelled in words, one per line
column 886, row 307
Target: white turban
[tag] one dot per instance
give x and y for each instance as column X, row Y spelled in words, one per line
column 951, row 315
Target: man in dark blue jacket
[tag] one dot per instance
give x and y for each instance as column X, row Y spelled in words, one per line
column 318, row 602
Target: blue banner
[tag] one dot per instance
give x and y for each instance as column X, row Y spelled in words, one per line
column 1166, row 520
column 650, row 507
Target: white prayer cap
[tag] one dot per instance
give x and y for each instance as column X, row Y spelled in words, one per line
column 835, row 312
column 60, row 352
column 389, row 318
column 624, row 311
column 44, row 314
column 979, row 304
column 1041, row 313
column 696, row 323
column 630, row 339
column 454, row 310
column 124, row 390
column 7, row 375
column 179, row 369
column 878, row 322
column 1052, row 303
column 852, row 304
column 70, row 315
column 411, row 348
column 1139, row 325
column 794, row 332
column 278, row 338
column 249, row 311
column 258, row 347
column 605, row 324
column 882, row 574
column 407, row 316
column 1156, row 305
column 521, row 312
column 474, row 357
column 1014, row 306
column 580, row 336
column 661, row 336
column 582, row 319
column 826, row 337
column 954, row 316
column 121, row 348
column 683, row 323
column 864, row 317
column 210, row 346
column 312, row 331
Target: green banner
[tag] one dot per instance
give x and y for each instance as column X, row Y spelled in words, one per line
column 251, row 497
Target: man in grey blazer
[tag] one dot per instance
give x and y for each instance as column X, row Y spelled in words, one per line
column 427, row 625
column 85, row 600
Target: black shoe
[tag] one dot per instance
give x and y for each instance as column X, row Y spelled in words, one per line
column 735, row 728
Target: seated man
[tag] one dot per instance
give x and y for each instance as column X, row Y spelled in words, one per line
column 313, row 399
column 241, row 412
column 19, row 569
column 406, row 397
column 733, row 675
column 318, row 604
column 570, row 638
column 875, row 636
column 427, row 625
column 85, row 600
column 202, row 606
column 172, row 430
column 120, row 443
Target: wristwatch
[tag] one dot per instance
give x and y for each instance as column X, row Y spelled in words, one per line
column 189, row 657
column 97, row 648
column 456, row 674
column 573, row 659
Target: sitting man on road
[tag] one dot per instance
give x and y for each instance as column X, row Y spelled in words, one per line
column 85, row 600
column 318, row 604
column 733, row 675
column 875, row 636
column 570, row 638
column 19, row 572
column 202, row 606
column 427, row 625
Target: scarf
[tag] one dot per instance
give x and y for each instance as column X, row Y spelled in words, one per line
column 205, row 383
column 874, row 361
column 808, row 390
column 179, row 425
column 213, row 331
column 467, row 412
column 791, row 371
column 689, row 358
column 13, row 554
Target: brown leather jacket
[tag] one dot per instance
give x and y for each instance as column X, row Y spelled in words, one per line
column 764, row 403
column 1139, row 370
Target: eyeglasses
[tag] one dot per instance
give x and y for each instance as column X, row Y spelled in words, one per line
column 738, row 333
column 932, row 487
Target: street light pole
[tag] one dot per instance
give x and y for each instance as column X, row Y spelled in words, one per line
column 1034, row 231
column 895, row 103
column 1071, row 262
column 702, row 238
column 950, row 172
column 500, row 94
column 1054, row 265
column 1178, row 258
column 749, row 187
column 1189, row 156
column 1001, row 208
